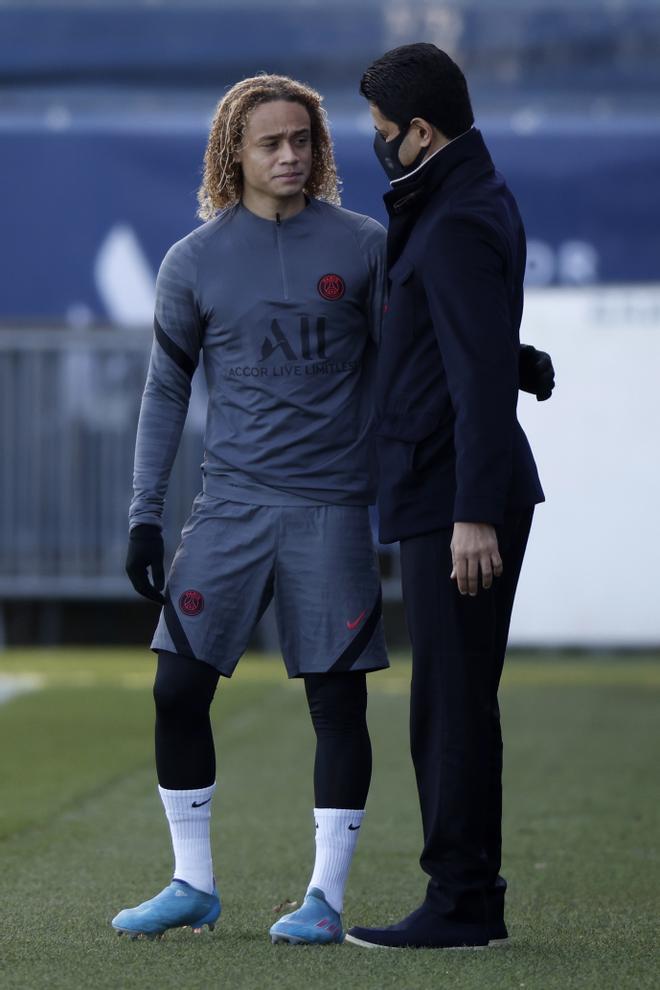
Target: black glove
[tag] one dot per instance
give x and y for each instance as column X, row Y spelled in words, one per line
column 535, row 372
column 145, row 549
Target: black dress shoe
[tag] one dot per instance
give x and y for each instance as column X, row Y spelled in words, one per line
column 423, row 929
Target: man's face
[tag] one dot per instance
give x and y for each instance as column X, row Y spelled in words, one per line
column 416, row 138
column 276, row 156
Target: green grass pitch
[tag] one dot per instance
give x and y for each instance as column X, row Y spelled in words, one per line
column 82, row 833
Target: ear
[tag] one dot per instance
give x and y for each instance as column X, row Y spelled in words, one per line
column 425, row 131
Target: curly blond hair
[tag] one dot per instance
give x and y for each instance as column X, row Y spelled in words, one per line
column 222, row 185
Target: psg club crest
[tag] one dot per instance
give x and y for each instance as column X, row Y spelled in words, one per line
column 331, row 287
column 191, row 602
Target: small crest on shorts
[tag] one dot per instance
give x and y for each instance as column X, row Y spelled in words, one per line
column 191, row 602
column 331, row 287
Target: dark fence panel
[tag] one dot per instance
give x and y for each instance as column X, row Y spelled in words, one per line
column 69, row 405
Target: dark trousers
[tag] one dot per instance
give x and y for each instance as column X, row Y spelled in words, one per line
column 458, row 647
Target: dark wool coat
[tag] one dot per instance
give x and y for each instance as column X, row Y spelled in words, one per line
column 449, row 443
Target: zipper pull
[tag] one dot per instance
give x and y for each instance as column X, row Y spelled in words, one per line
column 277, row 219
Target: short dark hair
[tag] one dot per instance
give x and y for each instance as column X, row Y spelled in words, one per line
column 419, row 81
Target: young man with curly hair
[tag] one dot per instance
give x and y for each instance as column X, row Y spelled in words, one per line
column 281, row 290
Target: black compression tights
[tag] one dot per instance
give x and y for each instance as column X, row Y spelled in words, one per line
column 185, row 755
column 183, row 692
column 342, row 766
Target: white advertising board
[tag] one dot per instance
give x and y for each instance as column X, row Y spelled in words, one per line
column 592, row 572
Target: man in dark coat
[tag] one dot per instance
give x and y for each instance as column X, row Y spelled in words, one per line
column 458, row 483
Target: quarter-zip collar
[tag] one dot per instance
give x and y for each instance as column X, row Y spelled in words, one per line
column 297, row 218
column 280, row 227
column 280, row 252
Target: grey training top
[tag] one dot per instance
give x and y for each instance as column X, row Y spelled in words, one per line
column 287, row 315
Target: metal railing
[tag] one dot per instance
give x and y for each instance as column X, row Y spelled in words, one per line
column 69, row 404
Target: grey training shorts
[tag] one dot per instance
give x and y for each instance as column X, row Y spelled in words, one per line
column 317, row 562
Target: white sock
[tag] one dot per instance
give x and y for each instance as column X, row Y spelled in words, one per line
column 189, row 817
column 337, row 831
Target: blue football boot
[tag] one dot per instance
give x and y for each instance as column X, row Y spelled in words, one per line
column 175, row 907
column 315, row 923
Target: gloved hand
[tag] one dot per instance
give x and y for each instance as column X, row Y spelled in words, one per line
column 146, row 549
column 535, row 372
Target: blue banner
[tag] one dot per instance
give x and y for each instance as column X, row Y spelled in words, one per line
column 89, row 211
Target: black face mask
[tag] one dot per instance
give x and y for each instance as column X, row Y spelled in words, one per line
column 387, row 153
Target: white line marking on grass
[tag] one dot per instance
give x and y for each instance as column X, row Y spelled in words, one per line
column 12, row 685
